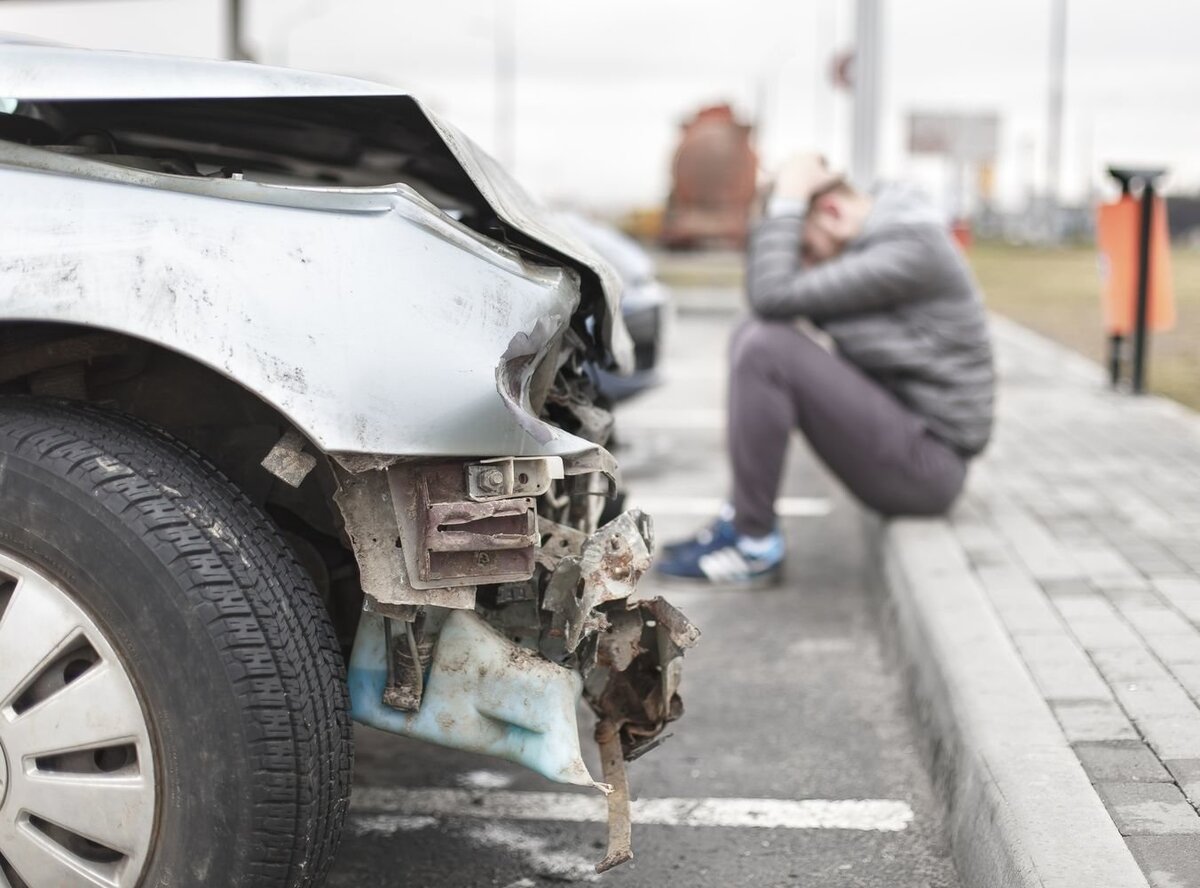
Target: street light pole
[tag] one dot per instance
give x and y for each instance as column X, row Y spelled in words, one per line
column 234, row 45
column 1054, row 112
column 505, row 84
column 867, row 64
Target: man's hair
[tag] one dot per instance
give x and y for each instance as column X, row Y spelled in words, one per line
column 835, row 186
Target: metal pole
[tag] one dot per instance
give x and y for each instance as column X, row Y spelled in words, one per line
column 867, row 62
column 1116, row 348
column 1054, row 117
column 233, row 30
column 825, row 38
column 505, row 84
column 1116, row 342
column 1143, row 288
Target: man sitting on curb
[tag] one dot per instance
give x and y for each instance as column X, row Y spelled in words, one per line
column 901, row 406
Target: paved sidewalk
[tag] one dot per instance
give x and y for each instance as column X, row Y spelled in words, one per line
column 1081, row 526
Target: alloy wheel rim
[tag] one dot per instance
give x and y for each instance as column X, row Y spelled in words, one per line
column 77, row 806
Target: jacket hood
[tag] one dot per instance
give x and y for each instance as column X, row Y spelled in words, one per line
column 900, row 204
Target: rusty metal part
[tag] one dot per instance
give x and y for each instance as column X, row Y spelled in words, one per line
column 507, row 477
column 620, row 823
column 558, row 542
column 594, row 461
column 356, row 463
column 635, row 685
column 402, row 612
column 608, row 568
column 449, row 540
column 409, row 653
column 507, row 593
column 369, row 515
column 287, row 460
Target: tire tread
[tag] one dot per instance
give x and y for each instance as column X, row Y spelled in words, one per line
column 260, row 608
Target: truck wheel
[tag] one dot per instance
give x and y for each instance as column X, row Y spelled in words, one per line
column 173, row 704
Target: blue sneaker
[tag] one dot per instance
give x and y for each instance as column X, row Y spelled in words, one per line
column 717, row 535
column 719, row 555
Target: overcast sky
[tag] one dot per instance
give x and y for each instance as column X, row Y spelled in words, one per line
column 602, row 86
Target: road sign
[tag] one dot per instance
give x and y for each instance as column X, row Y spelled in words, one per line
column 961, row 136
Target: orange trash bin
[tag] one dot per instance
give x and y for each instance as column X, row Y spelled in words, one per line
column 1117, row 235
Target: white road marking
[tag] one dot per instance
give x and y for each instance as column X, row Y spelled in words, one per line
column 389, row 824
column 681, row 419
column 810, row 647
column 883, row 815
column 708, row 506
column 482, row 779
column 697, row 371
column 537, row 852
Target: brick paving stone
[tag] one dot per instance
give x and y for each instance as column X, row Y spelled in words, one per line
column 1094, row 721
column 1096, row 624
column 1060, row 668
column 1156, row 619
column 1103, row 565
column 1134, row 596
column 1175, row 650
column 1121, row 763
column 1154, row 698
column 978, row 540
column 1151, row 560
column 1068, row 588
column 1129, row 664
column 1188, row 676
column 1172, row 737
column 1149, row 809
column 1044, row 556
column 1168, row 861
column 1183, row 592
column 1187, row 774
column 1022, row 606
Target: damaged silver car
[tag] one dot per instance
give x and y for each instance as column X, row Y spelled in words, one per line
column 291, row 375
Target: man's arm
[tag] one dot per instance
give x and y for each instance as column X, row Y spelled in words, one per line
column 885, row 273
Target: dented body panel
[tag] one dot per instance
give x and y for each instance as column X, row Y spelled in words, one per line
column 338, row 312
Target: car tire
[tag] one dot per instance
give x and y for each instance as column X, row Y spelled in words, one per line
column 171, row 577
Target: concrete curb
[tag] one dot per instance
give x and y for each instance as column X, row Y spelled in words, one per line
column 1020, row 809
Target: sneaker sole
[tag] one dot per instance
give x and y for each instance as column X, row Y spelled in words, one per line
column 762, row 581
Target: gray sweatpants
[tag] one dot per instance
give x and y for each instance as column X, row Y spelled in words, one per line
column 781, row 379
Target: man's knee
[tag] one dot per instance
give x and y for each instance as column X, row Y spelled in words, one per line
column 760, row 344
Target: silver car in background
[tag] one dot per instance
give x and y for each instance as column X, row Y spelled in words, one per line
column 645, row 305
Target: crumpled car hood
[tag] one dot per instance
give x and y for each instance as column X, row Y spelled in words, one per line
column 33, row 70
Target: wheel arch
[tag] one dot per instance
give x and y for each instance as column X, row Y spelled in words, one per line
column 227, row 423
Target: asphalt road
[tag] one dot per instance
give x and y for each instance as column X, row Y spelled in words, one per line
column 789, row 696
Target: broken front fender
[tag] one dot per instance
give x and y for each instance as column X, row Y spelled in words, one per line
column 372, row 321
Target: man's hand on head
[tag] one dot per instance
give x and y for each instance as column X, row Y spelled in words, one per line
column 801, row 176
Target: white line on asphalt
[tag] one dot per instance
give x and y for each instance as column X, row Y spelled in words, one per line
column 882, row 815
column 683, row 419
column 539, row 853
column 389, row 824
column 707, row 506
column 482, row 779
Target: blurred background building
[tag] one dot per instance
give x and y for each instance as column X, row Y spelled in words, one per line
column 713, row 181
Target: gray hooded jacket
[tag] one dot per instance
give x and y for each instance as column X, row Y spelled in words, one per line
column 899, row 302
